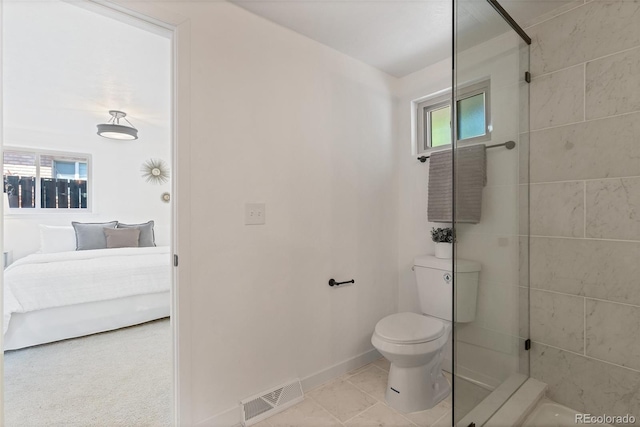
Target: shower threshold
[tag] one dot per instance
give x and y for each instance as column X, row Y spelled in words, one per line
column 529, row 407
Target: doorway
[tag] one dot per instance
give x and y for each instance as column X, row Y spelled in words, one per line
column 98, row 201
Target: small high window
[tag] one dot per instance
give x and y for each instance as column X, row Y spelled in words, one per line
column 473, row 121
column 46, row 180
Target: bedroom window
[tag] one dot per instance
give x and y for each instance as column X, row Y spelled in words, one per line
column 46, row 180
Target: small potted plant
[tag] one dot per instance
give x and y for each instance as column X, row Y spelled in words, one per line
column 443, row 237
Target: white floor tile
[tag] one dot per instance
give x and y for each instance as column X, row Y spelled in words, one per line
column 383, row 364
column 372, row 381
column 429, row 417
column 351, row 401
column 342, row 399
column 379, row 415
column 305, row 414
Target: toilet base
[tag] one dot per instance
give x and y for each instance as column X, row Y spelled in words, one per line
column 417, row 388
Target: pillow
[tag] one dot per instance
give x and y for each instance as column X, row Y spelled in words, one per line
column 121, row 237
column 91, row 235
column 57, row 239
column 147, row 236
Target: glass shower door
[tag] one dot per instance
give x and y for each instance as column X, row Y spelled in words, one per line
column 489, row 126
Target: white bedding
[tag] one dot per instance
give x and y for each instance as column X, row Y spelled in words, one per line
column 41, row 281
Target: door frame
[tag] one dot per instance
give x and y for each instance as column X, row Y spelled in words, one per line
column 180, row 29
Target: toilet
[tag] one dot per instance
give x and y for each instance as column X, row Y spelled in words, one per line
column 414, row 343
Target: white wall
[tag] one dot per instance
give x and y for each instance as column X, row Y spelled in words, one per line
column 487, row 349
column 280, row 119
column 414, row 236
column 59, row 84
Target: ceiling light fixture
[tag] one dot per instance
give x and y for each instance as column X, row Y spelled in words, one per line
column 114, row 130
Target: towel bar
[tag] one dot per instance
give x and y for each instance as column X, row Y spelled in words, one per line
column 509, row 145
column 332, row 282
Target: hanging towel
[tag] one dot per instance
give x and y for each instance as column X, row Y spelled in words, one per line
column 440, row 187
column 471, row 177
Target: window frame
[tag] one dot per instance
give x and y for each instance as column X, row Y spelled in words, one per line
column 424, row 121
column 423, row 107
column 38, row 209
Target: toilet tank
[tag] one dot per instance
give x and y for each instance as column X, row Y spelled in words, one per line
column 435, row 281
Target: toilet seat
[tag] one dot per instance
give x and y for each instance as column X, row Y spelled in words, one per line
column 409, row 328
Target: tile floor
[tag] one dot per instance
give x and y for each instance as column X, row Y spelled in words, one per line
column 357, row 400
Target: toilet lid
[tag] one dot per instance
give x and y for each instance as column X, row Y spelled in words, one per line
column 409, row 328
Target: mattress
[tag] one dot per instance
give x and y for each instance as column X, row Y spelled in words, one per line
column 112, row 282
column 60, row 323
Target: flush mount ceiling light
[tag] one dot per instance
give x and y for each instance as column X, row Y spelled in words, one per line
column 114, row 130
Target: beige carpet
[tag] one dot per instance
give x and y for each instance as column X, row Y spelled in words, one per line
column 118, row 378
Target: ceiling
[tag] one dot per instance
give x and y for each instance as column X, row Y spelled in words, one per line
column 52, row 77
column 65, row 67
column 396, row 36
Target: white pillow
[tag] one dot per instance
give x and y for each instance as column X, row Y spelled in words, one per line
column 55, row 238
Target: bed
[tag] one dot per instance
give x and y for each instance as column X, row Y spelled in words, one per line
column 55, row 296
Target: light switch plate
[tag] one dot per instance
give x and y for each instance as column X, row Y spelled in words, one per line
column 254, row 213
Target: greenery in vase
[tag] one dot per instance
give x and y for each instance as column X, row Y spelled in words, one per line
column 442, row 235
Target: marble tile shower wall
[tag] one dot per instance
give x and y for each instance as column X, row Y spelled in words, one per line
column 585, row 206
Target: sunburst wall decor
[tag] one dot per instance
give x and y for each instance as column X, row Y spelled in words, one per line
column 155, row 171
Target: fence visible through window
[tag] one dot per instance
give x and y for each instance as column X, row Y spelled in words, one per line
column 21, row 191
column 46, row 180
column 63, row 193
column 55, row 193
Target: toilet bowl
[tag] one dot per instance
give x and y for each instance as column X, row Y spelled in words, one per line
column 414, row 345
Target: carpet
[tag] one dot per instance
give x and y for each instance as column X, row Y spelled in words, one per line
column 117, row 378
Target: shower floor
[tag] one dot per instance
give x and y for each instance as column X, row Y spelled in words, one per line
column 547, row 413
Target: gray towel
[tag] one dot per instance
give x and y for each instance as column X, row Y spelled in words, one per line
column 471, row 177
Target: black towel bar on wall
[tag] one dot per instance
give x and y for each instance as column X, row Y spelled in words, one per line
column 509, row 145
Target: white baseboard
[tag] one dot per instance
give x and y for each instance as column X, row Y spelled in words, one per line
column 232, row 417
column 314, row 380
column 229, row 418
